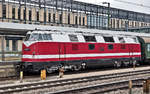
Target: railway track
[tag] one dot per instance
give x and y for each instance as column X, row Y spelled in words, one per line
column 101, row 88
column 73, row 84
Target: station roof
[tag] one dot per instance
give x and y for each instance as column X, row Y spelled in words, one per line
column 6, row 27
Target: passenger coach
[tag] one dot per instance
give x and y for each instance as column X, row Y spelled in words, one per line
column 77, row 50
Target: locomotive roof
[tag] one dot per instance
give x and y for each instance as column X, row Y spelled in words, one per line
column 76, row 32
column 64, row 35
column 29, row 27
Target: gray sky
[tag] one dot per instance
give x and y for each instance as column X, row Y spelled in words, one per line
column 133, row 5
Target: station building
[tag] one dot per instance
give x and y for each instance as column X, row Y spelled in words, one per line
column 68, row 13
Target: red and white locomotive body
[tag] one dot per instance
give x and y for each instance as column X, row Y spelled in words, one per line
column 76, row 50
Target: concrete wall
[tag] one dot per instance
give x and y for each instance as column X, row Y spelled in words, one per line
column 19, row 45
column 16, row 12
column 33, row 10
column 22, row 13
column 71, row 18
column 8, row 11
column 41, row 15
column 27, row 13
column 65, row 17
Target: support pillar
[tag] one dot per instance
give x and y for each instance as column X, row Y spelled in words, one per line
column 130, row 87
column 146, row 85
column 3, row 51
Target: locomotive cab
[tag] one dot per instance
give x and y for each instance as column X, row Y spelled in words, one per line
column 32, row 48
column 29, row 40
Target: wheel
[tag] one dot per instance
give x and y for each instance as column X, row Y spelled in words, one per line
column 125, row 63
column 117, row 64
column 77, row 67
column 52, row 69
column 135, row 63
column 83, row 65
column 48, row 70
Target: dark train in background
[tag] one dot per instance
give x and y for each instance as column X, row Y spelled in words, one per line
column 75, row 50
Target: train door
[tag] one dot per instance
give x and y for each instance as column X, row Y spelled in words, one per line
column 35, row 38
column 62, row 53
column 40, row 48
column 147, row 51
column 131, row 52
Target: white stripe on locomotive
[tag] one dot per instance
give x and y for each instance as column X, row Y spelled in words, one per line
column 78, row 55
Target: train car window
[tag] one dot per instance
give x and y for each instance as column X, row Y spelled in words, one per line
column 90, row 38
column 148, row 47
column 121, row 39
column 109, row 39
column 110, row 46
column 40, row 37
column 73, row 38
column 74, row 46
column 27, row 37
column 34, row 37
column 91, row 46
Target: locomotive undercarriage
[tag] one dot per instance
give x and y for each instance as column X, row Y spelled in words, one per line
column 78, row 64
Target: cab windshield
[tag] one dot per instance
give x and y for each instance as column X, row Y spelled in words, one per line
column 45, row 37
column 38, row 37
column 34, row 37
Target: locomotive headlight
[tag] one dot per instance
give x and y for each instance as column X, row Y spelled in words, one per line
column 26, row 49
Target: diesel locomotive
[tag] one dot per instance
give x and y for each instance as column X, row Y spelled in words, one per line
column 76, row 50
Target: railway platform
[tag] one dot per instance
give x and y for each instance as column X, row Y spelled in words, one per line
column 7, row 69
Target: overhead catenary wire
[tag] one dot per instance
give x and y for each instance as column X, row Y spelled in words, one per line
column 133, row 3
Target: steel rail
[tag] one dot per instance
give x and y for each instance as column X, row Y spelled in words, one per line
column 101, row 88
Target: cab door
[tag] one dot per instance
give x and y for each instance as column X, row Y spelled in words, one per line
column 131, row 51
column 35, row 45
column 62, row 52
column 147, row 51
